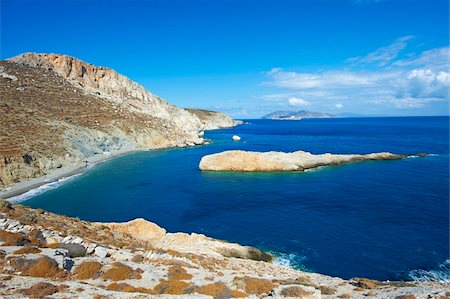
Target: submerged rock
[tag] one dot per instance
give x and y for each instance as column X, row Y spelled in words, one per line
column 244, row 161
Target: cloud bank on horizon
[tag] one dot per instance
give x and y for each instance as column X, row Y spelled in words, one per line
column 379, row 78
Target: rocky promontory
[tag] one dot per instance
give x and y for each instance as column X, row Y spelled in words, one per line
column 245, row 161
column 213, row 120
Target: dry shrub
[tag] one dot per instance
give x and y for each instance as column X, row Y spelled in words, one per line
column 138, row 258
column 13, row 239
column 172, row 286
column 87, row 270
column 98, row 296
column 217, row 289
column 295, row 291
column 179, row 273
column 237, row 294
column 406, row 297
column 36, row 238
column 124, row 287
column 40, row 289
column 345, row 296
column 327, row 290
column 120, row 272
column 365, row 283
column 45, row 267
column 256, row 285
column 27, row 249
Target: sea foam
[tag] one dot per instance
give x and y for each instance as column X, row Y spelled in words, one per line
column 441, row 274
column 41, row 189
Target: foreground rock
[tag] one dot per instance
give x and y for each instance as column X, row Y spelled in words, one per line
column 41, row 255
column 243, row 161
column 212, row 120
column 58, row 111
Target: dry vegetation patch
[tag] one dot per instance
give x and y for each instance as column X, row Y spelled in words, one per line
column 173, row 287
column 256, row 286
column 40, row 290
column 295, row 291
column 45, row 267
column 13, row 239
column 88, row 270
column 179, row 273
column 27, row 250
column 120, row 271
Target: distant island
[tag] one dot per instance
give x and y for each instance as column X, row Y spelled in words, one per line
column 297, row 115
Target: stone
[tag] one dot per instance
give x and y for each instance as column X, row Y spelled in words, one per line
column 236, row 138
column 74, row 250
column 101, row 251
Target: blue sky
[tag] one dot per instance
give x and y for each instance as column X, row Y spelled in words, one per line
column 252, row 57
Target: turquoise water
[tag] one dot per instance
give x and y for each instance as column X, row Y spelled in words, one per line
column 382, row 220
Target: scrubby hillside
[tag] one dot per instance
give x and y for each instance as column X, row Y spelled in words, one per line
column 56, row 111
column 43, row 254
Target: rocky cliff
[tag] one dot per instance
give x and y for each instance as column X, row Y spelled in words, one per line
column 57, row 111
column 212, row 120
column 43, row 254
column 245, row 161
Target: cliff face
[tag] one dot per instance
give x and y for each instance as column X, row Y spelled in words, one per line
column 212, row 120
column 57, row 111
column 111, row 86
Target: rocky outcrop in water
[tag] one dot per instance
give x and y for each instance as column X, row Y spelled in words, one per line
column 212, row 120
column 243, row 161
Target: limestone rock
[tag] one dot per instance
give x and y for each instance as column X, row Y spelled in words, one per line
column 244, row 161
column 236, row 138
column 212, row 120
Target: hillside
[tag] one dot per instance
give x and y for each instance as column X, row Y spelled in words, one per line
column 58, row 111
column 213, row 120
column 297, row 115
column 43, row 254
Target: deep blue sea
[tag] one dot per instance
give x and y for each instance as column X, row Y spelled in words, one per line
column 381, row 220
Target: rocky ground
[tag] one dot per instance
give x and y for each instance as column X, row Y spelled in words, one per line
column 57, row 111
column 48, row 255
column 245, row 161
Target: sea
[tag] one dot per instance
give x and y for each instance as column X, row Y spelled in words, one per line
column 386, row 220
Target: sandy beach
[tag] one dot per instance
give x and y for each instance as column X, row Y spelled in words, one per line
column 60, row 173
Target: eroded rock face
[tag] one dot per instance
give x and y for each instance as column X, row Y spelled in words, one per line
column 212, row 120
column 243, row 161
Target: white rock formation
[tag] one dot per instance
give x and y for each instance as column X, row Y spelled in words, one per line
column 243, row 161
column 236, row 138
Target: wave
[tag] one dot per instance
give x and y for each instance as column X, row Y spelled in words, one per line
column 41, row 189
column 290, row 260
column 441, row 274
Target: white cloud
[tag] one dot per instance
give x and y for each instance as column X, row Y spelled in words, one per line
column 383, row 55
column 426, row 84
column 415, row 82
column 296, row 102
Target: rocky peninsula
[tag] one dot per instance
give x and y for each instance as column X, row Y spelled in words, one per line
column 245, row 161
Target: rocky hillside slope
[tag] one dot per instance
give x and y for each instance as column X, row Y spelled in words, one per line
column 43, row 254
column 212, row 120
column 57, row 111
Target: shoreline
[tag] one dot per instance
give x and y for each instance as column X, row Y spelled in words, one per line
column 60, row 173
